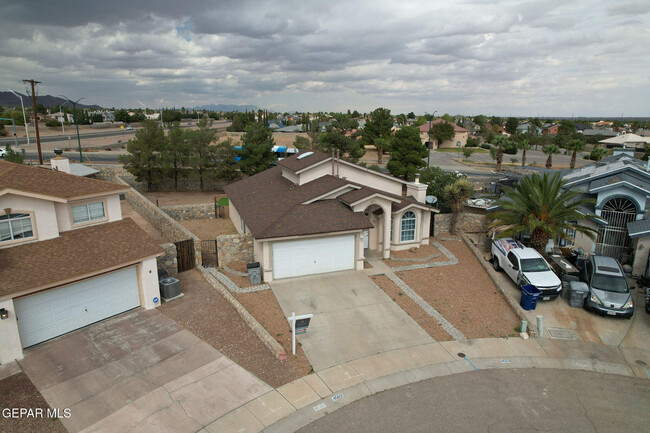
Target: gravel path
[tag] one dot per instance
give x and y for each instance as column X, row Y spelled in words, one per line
column 209, row 316
column 233, row 287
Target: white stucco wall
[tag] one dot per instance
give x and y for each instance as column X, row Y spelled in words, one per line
column 44, row 215
column 235, row 218
column 641, row 255
column 583, row 241
column 11, row 347
column 147, row 271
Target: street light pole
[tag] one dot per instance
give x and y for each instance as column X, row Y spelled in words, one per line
column 429, row 150
column 24, row 117
column 74, row 108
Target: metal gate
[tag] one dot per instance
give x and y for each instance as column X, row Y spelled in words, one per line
column 209, row 253
column 613, row 239
column 185, row 255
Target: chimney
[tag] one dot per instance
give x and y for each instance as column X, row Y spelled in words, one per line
column 59, row 163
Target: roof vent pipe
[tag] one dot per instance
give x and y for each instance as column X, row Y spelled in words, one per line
column 337, row 162
column 417, row 178
column 333, row 163
column 647, row 165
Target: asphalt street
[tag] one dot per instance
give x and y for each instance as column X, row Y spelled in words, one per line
column 501, row 401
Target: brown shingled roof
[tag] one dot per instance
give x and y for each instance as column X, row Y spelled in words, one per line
column 73, row 254
column 52, row 183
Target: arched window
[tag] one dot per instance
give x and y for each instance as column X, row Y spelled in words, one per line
column 408, row 227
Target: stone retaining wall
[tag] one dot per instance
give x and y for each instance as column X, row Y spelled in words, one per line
column 160, row 220
column 108, row 171
column 467, row 222
column 189, row 212
column 234, row 248
column 168, row 262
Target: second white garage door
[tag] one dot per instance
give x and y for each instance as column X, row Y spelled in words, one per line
column 58, row 311
column 313, row 256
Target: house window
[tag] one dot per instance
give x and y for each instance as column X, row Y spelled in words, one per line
column 570, row 235
column 88, row 212
column 15, row 226
column 408, row 227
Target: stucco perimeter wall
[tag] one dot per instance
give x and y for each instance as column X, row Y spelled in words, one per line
column 160, row 220
column 107, row 171
column 196, row 211
column 235, row 248
column 467, row 222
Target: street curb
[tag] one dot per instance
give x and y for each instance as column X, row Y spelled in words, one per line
column 270, row 342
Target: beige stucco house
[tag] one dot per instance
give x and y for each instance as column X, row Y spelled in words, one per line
column 314, row 214
column 67, row 258
column 460, row 136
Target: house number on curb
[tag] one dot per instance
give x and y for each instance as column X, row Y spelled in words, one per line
column 337, row 397
column 319, row 407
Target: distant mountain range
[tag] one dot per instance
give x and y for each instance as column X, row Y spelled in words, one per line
column 8, row 99
column 226, row 107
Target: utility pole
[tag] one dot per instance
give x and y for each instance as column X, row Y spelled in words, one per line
column 38, row 137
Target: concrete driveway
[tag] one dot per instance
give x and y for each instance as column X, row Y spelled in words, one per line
column 139, row 371
column 353, row 317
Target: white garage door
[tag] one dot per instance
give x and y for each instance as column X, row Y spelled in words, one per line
column 55, row 312
column 313, row 256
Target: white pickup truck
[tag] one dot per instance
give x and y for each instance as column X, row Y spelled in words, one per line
column 525, row 266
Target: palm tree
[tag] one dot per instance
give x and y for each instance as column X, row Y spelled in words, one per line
column 456, row 194
column 597, row 153
column 576, row 145
column 542, row 207
column 524, row 146
column 550, row 149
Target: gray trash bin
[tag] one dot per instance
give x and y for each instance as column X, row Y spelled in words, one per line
column 566, row 285
column 254, row 273
column 579, row 292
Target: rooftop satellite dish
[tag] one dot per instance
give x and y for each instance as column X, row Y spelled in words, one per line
column 431, row 199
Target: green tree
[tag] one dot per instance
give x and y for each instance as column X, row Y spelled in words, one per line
column 480, row 120
column 524, row 145
column 350, row 149
column 202, row 156
column 511, row 125
column 447, row 118
column 436, row 179
column 442, row 132
column 598, row 153
column 13, row 156
column 170, row 116
column 122, row 116
column 566, row 127
column 635, row 125
column 408, row 153
column 142, row 160
column 473, row 142
column 401, row 119
column 549, row 150
column 239, row 122
column 380, row 126
column 411, row 115
column 302, row 143
column 468, row 152
column 256, row 154
column 457, row 194
column 175, row 153
column 227, row 166
column 40, row 109
column 543, row 207
column 576, row 145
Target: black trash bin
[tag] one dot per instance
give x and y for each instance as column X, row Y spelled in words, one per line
column 254, row 273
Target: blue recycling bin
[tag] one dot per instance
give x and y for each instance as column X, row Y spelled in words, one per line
column 529, row 295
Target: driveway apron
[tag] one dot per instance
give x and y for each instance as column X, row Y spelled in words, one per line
column 353, row 318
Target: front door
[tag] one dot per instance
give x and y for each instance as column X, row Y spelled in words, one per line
column 366, row 239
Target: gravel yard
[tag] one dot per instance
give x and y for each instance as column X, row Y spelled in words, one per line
column 425, row 321
column 206, row 229
column 242, row 282
column 209, row 316
column 420, row 253
column 464, row 294
column 18, row 391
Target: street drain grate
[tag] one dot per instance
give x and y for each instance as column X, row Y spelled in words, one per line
column 562, row 334
column 461, row 355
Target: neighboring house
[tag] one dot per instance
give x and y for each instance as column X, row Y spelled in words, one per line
column 630, row 141
column 527, row 127
column 152, row 116
column 290, row 128
column 312, row 214
column 620, row 186
column 460, row 136
column 67, row 258
column 322, row 126
column 603, row 132
column 550, row 129
column 603, row 125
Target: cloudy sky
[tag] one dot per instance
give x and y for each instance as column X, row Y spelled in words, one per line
column 523, row 58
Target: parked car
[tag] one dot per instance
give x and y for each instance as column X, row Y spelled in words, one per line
column 609, row 293
column 3, row 152
column 525, row 266
column 129, row 128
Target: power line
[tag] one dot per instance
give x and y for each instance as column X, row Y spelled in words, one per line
column 38, row 137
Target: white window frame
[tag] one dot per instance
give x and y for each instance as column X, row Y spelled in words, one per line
column 22, row 216
column 404, row 230
column 89, row 220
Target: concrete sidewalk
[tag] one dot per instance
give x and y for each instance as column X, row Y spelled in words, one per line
column 297, row 404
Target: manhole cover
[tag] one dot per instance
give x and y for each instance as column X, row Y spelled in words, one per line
column 563, row 334
column 461, row 354
column 638, row 361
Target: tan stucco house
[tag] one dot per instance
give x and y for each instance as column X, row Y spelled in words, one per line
column 313, row 214
column 67, row 258
column 460, row 136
